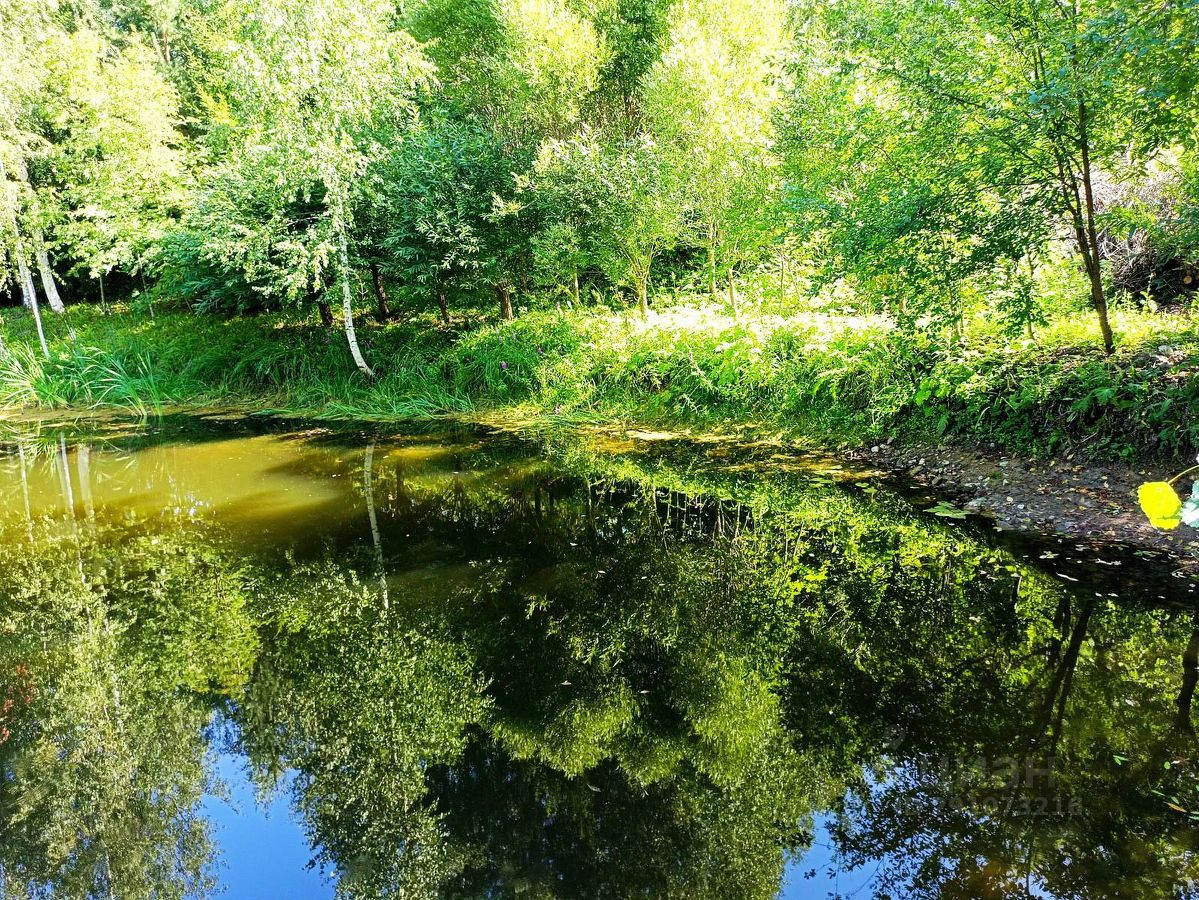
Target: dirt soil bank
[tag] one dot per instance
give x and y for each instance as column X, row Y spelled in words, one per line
column 1093, row 502
column 1067, row 496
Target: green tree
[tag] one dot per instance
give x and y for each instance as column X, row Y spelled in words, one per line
column 314, row 86
column 433, row 196
column 525, row 67
column 710, row 99
column 1019, row 104
column 119, row 153
column 634, row 198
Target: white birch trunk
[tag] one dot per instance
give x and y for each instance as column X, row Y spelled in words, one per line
column 343, row 253
column 23, row 277
column 31, row 297
column 39, row 241
column 83, row 467
column 25, row 490
column 53, row 298
column 28, row 291
column 368, row 490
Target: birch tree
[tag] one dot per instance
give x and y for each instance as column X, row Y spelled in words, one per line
column 313, row 84
column 23, row 28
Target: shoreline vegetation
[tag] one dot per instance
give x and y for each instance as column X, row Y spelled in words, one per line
column 871, row 223
column 1050, row 440
column 833, row 382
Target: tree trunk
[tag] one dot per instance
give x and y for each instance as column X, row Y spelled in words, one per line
column 385, row 314
column 643, row 295
column 39, row 242
column 25, row 489
column 43, row 264
column 505, row 296
column 1099, row 300
column 1090, row 261
column 712, row 262
column 732, row 293
column 28, row 294
column 576, row 287
column 1190, row 677
column 347, row 302
column 1094, row 270
column 31, row 294
column 83, row 468
column 28, row 291
column 368, row 491
column 443, row 306
column 1063, row 677
column 341, row 225
column 326, row 313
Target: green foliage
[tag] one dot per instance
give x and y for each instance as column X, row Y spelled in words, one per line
column 832, row 378
column 434, row 210
column 633, row 201
column 711, row 97
column 938, row 144
column 906, row 204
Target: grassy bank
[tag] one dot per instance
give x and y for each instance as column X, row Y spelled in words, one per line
column 832, row 378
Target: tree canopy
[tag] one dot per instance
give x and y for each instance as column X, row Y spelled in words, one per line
column 931, row 160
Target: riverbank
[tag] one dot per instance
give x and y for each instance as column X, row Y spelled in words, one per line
column 841, row 381
column 964, row 420
column 1085, row 503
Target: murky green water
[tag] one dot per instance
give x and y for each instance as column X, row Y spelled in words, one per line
column 458, row 664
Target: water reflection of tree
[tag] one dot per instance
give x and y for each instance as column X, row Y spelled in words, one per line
column 596, row 684
column 111, row 666
column 567, row 721
column 679, row 637
column 1080, row 684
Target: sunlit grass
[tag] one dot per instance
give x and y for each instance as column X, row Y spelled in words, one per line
column 831, row 376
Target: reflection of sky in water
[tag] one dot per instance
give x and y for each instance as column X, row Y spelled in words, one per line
column 263, row 852
column 828, row 876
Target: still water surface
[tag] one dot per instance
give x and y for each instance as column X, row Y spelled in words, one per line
column 294, row 663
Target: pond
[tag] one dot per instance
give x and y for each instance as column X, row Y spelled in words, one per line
column 272, row 660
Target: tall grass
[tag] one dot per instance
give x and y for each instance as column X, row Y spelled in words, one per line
column 832, row 377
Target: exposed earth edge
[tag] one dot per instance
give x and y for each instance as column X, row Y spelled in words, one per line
column 1067, row 496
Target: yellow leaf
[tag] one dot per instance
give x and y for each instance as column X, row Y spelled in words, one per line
column 1161, row 504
